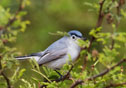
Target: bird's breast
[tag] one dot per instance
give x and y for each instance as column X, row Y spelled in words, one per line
column 73, row 51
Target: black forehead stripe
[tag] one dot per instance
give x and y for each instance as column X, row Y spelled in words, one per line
column 75, row 34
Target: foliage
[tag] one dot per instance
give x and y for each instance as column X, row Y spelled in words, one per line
column 95, row 68
column 10, row 25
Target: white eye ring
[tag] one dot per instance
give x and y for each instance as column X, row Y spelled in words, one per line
column 73, row 37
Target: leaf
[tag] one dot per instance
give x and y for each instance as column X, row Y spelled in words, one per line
column 21, row 72
column 41, row 75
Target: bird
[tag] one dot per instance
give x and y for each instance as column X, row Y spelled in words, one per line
column 58, row 53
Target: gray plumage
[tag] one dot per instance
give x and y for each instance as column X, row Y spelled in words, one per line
column 57, row 54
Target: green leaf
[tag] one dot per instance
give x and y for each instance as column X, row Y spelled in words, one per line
column 21, row 72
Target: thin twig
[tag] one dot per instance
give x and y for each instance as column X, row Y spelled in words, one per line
column 7, row 80
column 11, row 21
column 61, row 79
column 112, row 45
column 98, row 75
column 101, row 14
column 120, row 3
column 68, row 74
column 5, row 77
column 115, row 85
column 99, row 21
column 107, row 70
column 0, row 64
column 98, row 24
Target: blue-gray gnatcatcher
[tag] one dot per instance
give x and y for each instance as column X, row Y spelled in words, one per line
column 57, row 54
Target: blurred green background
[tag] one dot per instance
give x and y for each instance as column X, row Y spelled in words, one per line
column 54, row 15
column 47, row 16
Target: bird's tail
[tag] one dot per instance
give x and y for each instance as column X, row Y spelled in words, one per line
column 28, row 57
column 35, row 56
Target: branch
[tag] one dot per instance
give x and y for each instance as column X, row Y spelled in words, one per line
column 115, row 85
column 112, row 44
column 98, row 24
column 78, row 82
column 11, row 21
column 61, row 79
column 98, row 75
column 5, row 77
column 101, row 14
column 67, row 75
column 120, row 3
column 99, row 21
column 0, row 65
column 7, row 80
column 107, row 70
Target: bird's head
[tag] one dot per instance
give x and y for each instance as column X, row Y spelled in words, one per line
column 75, row 36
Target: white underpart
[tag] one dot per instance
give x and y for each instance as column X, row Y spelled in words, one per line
column 73, row 52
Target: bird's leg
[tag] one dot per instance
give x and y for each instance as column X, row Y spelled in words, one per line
column 59, row 75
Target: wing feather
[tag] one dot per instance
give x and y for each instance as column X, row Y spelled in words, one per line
column 57, row 50
column 51, row 56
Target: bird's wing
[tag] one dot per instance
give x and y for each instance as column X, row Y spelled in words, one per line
column 52, row 55
column 57, row 50
column 37, row 54
column 53, row 52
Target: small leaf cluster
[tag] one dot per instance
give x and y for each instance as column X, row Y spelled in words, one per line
column 10, row 25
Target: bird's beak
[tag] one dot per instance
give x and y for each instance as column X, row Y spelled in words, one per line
column 84, row 38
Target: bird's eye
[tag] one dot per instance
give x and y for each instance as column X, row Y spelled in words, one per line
column 73, row 37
